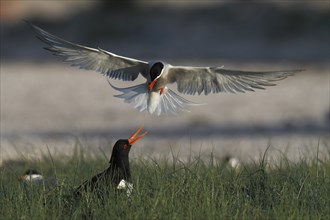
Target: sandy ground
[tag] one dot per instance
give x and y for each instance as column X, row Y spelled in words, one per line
column 51, row 106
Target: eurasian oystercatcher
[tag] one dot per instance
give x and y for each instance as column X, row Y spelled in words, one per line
column 118, row 173
column 154, row 95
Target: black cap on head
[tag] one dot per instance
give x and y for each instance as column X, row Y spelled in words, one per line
column 156, row 70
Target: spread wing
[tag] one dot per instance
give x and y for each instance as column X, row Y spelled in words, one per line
column 192, row 80
column 111, row 65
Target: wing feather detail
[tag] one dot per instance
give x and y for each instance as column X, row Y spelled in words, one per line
column 107, row 63
column 192, row 80
column 136, row 96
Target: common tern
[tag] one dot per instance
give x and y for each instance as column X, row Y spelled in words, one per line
column 154, row 96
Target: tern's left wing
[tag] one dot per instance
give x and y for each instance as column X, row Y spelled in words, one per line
column 110, row 64
column 192, row 80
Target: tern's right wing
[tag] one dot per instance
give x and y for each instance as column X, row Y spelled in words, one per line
column 110, row 64
column 192, row 80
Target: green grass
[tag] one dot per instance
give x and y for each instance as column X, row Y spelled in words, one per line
column 170, row 189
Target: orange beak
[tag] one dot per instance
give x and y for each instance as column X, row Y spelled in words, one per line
column 133, row 138
column 151, row 85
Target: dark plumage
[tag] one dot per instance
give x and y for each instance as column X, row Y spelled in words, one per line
column 118, row 173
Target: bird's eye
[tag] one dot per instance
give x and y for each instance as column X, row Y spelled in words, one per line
column 125, row 146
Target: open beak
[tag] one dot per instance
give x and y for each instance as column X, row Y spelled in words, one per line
column 151, row 85
column 133, row 138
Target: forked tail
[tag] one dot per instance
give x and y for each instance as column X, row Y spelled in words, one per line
column 168, row 103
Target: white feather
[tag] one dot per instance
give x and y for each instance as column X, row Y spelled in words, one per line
column 153, row 103
column 137, row 95
column 123, row 184
column 167, row 103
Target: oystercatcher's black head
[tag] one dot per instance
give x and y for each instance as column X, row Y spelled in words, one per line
column 119, row 162
column 121, row 149
column 123, row 146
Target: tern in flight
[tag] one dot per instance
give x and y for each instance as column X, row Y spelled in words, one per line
column 154, row 96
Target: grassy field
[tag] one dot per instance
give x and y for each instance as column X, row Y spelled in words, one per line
column 170, row 189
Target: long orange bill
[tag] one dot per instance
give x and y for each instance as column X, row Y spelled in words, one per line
column 151, row 85
column 133, row 138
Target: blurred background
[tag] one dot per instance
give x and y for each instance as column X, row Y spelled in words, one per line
column 48, row 106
